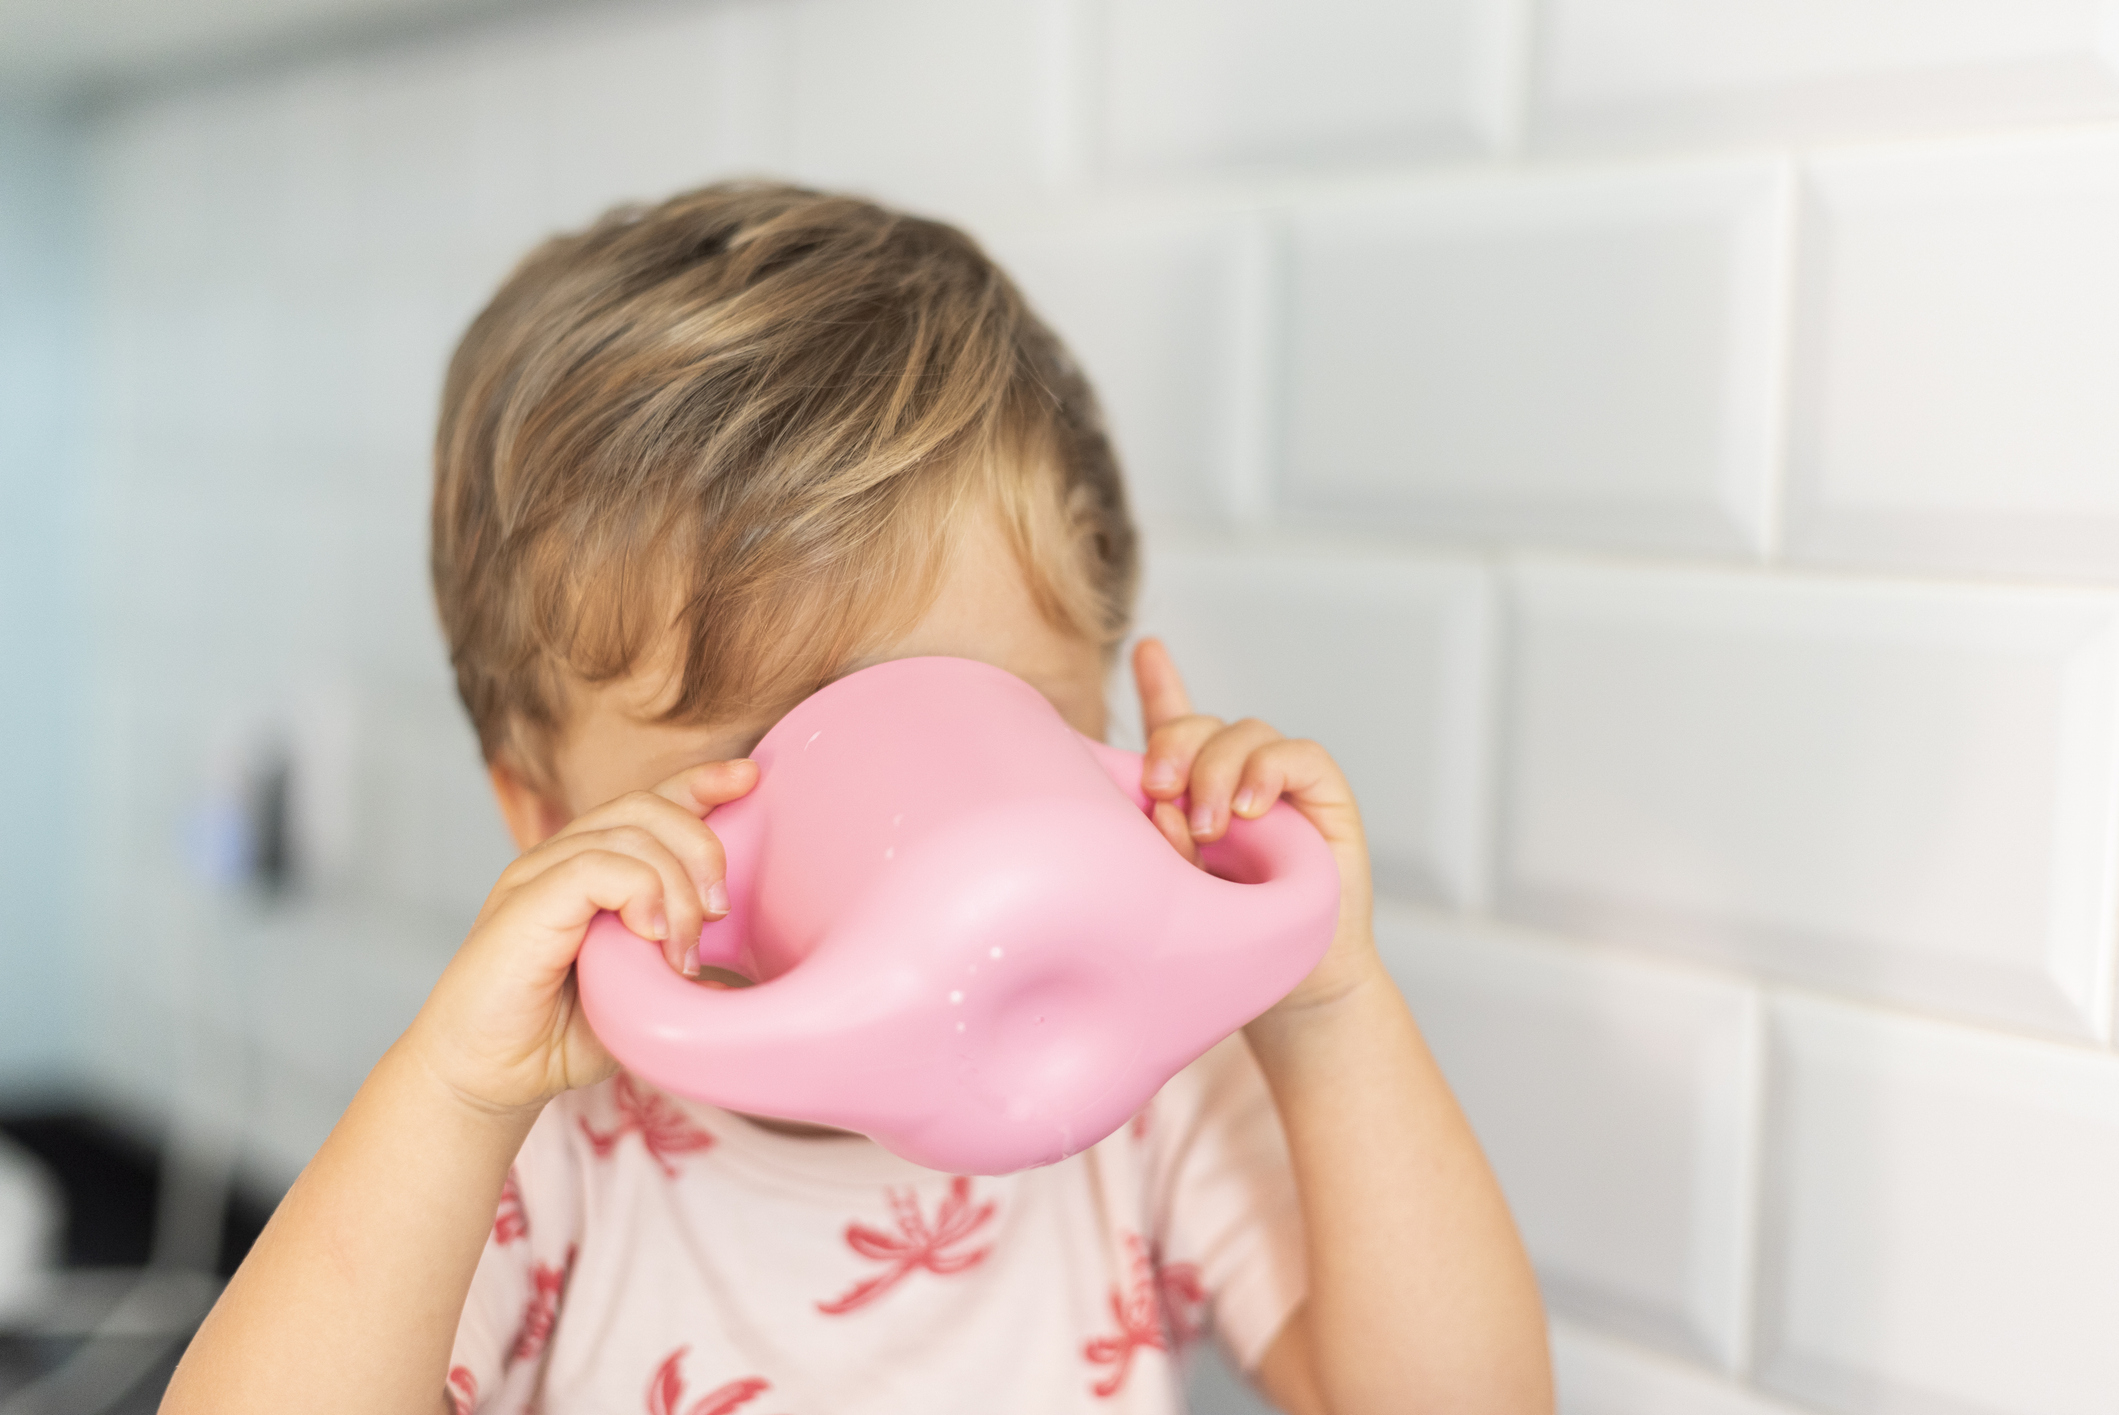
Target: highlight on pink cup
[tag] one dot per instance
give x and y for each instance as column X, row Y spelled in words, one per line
column 967, row 939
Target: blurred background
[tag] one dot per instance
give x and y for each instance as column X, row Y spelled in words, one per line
column 1669, row 451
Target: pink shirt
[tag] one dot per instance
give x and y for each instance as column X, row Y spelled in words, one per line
column 655, row 1255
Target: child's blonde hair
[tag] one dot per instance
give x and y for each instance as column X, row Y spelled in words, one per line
column 750, row 415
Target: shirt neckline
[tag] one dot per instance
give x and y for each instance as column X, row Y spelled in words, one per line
column 853, row 1160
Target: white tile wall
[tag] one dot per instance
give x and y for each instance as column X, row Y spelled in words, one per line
column 925, row 100
column 1670, row 71
column 315, row 209
column 1939, row 1234
column 431, row 836
column 1616, row 1101
column 1899, row 790
column 1888, row 358
column 1960, row 343
column 1384, row 661
column 411, row 134
column 42, row 605
column 407, row 325
column 150, row 160
column 1154, row 308
column 1598, row 1375
column 653, row 102
column 1209, row 82
column 1583, row 357
column 262, row 500
column 329, row 988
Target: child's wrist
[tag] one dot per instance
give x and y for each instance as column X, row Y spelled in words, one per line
column 1321, row 1000
column 415, row 1067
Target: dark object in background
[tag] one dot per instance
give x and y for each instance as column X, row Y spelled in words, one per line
column 272, row 862
column 109, row 1179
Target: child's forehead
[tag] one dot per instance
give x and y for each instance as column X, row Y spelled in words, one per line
column 651, row 698
column 616, row 739
column 633, row 731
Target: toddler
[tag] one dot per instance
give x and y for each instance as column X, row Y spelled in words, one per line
column 694, row 463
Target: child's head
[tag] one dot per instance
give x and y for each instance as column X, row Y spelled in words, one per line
column 702, row 458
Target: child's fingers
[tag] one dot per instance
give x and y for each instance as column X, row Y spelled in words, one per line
column 542, row 923
column 664, row 906
column 1171, row 822
column 699, row 789
column 680, row 831
column 1215, row 772
column 1162, row 690
column 1167, row 764
column 1306, row 774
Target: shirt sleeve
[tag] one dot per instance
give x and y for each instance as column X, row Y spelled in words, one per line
column 1227, row 1219
column 497, row 1361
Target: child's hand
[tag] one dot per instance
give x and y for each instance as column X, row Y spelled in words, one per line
column 1362, row 1104
column 504, row 1027
column 1242, row 768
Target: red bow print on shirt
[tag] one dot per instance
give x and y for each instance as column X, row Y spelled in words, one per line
column 917, row 1244
column 511, row 1222
column 542, row 1311
column 665, row 1391
column 663, row 1127
column 463, row 1390
column 1159, row 1313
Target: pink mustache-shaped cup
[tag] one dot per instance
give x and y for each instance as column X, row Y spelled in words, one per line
column 968, row 940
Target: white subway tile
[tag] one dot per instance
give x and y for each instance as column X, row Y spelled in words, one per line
column 1382, row 660
column 185, row 364
column 1678, row 72
column 515, row 89
column 925, row 102
column 411, row 316
column 1152, row 308
column 265, row 1022
column 220, row 367
column 1597, row 1375
column 237, row 141
column 1209, row 82
column 1590, row 357
column 145, row 168
column 1616, row 1102
column 317, row 215
column 651, row 103
column 413, row 162
column 382, row 599
column 1900, row 790
column 128, row 1046
column 1957, row 353
column 312, row 397
column 1939, row 1231
column 431, row 837
column 332, row 985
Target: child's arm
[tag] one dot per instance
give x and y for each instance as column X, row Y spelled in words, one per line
column 350, row 1299
column 1421, row 1298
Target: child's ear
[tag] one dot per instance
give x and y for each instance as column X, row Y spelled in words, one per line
column 532, row 816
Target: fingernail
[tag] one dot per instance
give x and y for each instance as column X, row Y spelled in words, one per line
column 1162, row 774
column 1202, row 820
column 1244, row 798
column 658, row 925
column 717, row 898
column 691, row 961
